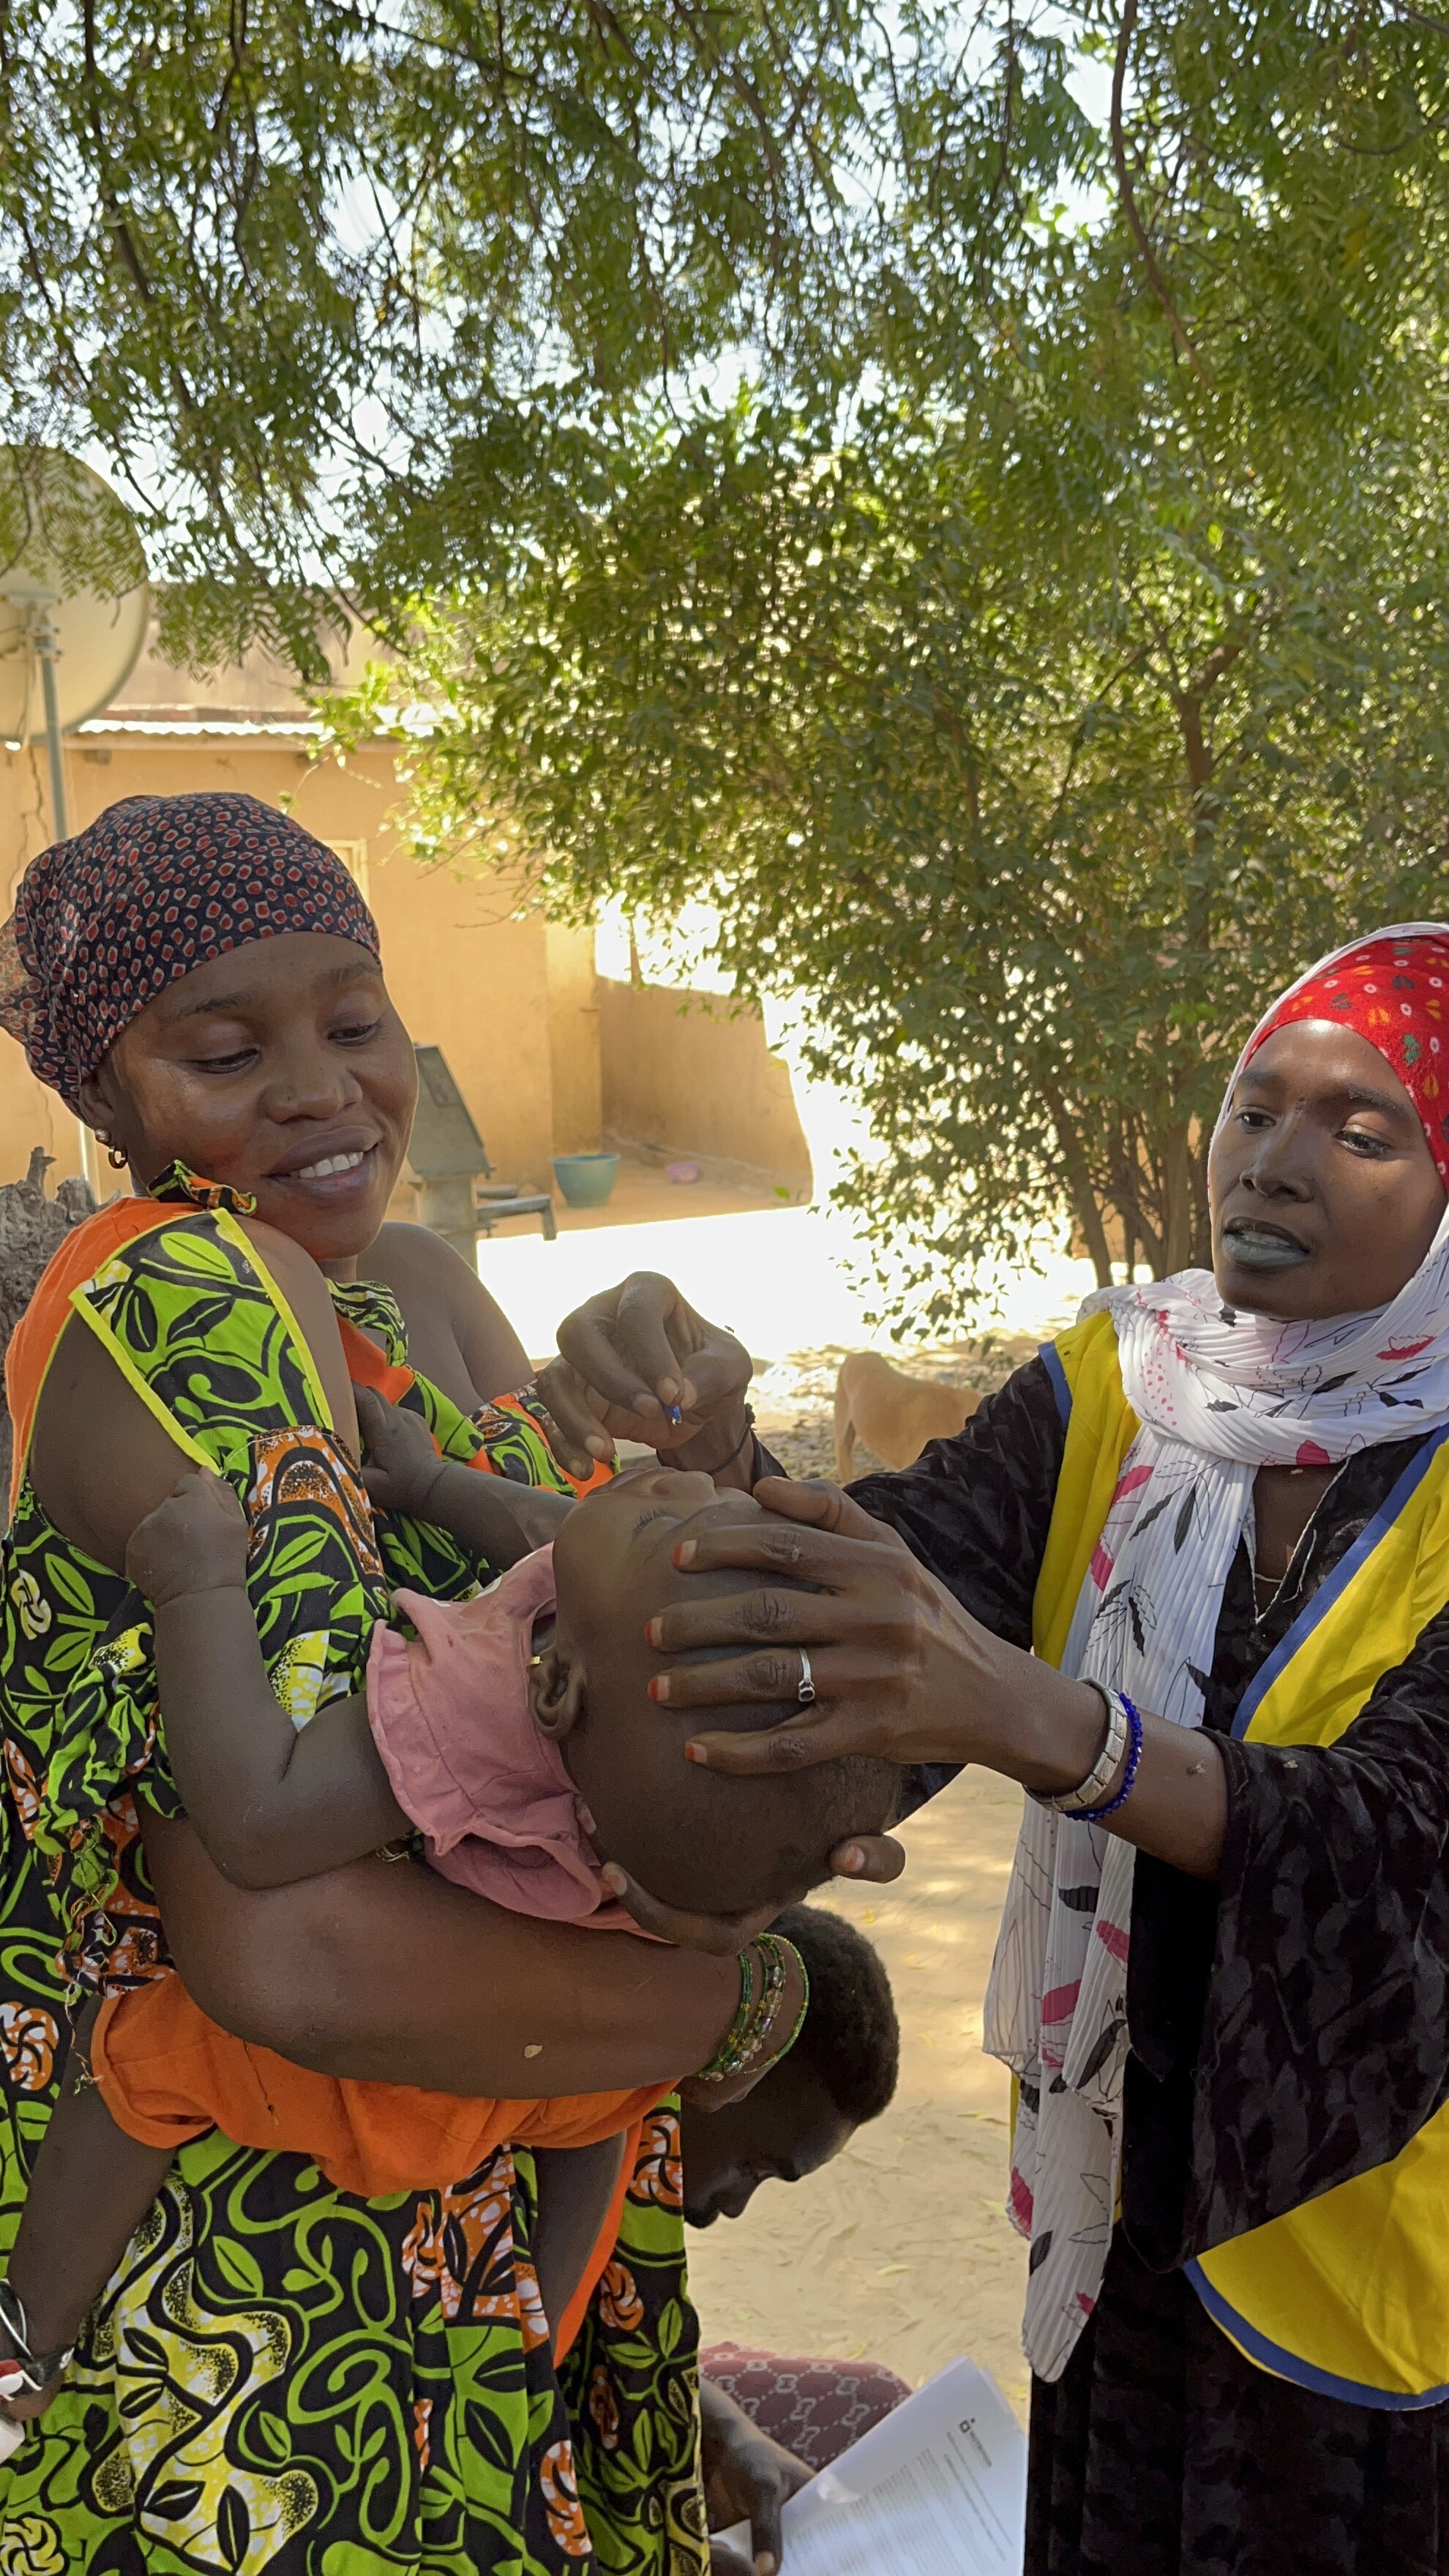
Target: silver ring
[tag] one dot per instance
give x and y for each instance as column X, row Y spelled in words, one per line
column 806, row 1691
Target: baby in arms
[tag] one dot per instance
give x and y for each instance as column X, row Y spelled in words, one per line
column 516, row 1733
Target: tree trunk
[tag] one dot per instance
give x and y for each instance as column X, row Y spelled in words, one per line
column 1179, row 1228
column 1131, row 1166
column 1202, row 1221
column 1079, row 1183
column 1187, row 1235
column 32, row 1227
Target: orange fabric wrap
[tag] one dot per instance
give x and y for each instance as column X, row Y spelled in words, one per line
column 368, row 1366
column 167, row 2073
column 32, row 1344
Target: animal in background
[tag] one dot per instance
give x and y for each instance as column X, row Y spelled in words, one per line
column 894, row 1415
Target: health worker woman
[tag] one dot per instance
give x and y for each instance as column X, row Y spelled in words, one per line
column 1186, row 1579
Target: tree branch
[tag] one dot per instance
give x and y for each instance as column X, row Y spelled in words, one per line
column 1079, row 1181
column 1136, row 227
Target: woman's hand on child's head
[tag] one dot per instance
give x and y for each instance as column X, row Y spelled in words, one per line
column 401, row 1463
column 196, row 1541
column 722, row 1935
column 873, row 1858
column 878, row 1656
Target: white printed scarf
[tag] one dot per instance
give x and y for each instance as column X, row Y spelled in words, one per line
column 1218, row 1395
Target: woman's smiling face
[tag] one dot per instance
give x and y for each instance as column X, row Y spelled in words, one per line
column 1325, row 1196
column 281, row 1068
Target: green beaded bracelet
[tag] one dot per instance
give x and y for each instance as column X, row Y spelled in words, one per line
column 725, row 2060
column 746, row 2041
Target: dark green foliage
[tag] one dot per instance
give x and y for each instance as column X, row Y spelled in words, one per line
column 1040, row 712
column 331, row 286
column 1040, row 657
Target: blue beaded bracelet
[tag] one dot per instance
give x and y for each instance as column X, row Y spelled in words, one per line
column 1095, row 1815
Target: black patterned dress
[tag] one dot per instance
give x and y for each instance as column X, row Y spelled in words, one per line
column 1290, row 2029
column 282, row 2377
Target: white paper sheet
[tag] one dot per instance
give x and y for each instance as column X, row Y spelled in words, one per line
column 937, row 2489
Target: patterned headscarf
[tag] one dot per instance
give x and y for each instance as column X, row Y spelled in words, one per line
column 1392, row 989
column 155, row 887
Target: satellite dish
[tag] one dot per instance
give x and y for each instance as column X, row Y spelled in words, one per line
column 74, row 600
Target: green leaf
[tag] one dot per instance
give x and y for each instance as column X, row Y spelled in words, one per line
column 238, row 2267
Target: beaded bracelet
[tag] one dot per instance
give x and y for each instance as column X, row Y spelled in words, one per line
column 751, row 2025
column 747, row 2041
column 1073, row 1802
column 726, row 2056
column 1095, row 1815
column 786, row 2045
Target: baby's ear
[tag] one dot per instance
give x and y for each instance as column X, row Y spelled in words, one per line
column 555, row 1694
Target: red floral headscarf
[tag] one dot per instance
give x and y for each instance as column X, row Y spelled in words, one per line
column 1393, row 989
column 155, row 886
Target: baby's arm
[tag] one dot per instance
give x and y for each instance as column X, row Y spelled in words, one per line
column 488, row 1515
column 271, row 1803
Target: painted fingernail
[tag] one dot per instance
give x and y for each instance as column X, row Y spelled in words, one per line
column 684, row 1554
column 654, row 1633
column 696, row 1753
column 659, row 1687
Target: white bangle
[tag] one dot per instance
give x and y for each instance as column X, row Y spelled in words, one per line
column 1091, row 1791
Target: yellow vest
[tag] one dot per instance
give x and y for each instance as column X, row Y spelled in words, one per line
column 1349, row 2294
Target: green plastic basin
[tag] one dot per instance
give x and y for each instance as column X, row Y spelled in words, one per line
column 585, row 1179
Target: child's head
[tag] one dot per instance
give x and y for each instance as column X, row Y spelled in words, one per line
column 693, row 1837
column 841, row 2071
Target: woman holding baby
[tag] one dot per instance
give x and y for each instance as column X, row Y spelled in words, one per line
column 284, row 2373
column 1186, row 1579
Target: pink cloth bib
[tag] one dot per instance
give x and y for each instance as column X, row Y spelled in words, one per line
column 450, row 1716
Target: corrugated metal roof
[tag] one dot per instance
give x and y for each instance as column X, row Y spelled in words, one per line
column 191, row 728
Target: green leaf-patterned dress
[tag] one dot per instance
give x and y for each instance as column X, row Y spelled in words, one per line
column 281, row 2376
